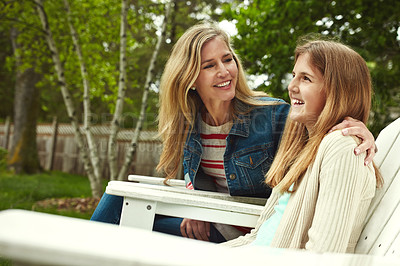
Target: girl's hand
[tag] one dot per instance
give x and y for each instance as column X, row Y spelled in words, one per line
column 353, row 127
column 195, row 229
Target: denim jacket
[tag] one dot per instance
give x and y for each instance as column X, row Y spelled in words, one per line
column 250, row 149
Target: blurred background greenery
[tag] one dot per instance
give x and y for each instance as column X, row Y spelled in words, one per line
column 264, row 35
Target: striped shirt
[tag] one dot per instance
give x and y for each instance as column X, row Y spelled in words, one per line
column 213, row 141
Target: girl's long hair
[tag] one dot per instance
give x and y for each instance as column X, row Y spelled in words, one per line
column 348, row 89
column 179, row 105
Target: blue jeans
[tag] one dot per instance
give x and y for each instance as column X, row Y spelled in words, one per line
column 109, row 211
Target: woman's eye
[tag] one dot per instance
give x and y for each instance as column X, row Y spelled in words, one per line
column 228, row 60
column 208, row 66
column 306, row 78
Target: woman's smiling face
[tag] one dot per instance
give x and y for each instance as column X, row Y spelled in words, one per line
column 306, row 92
column 216, row 82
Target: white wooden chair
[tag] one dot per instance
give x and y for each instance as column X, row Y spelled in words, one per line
column 381, row 235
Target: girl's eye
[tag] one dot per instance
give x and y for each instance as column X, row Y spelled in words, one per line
column 306, row 78
column 228, row 60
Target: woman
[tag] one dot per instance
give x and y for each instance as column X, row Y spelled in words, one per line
column 321, row 191
column 205, row 104
column 226, row 133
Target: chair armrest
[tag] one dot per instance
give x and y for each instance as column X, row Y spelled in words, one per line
column 156, row 180
column 171, row 195
column 183, row 190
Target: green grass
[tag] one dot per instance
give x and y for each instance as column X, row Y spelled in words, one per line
column 24, row 191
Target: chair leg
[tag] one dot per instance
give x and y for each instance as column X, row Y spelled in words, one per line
column 138, row 213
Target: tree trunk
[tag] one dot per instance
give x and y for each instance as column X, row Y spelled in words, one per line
column 95, row 185
column 93, row 152
column 112, row 142
column 149, row 77
column 23, row 156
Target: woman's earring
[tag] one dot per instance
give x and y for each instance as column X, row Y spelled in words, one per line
column 193, row 88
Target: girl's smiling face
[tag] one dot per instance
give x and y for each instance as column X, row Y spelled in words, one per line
column 306, row 92
column 216, row 82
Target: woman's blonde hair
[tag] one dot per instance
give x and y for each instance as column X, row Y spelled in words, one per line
column 348, row 89
column 179, row 105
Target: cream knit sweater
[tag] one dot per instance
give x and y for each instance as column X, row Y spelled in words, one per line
column 326, row 213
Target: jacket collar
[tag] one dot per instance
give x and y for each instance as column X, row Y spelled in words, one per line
column 241, row 125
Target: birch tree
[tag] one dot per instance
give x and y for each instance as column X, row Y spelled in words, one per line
column 94, row 183
column 112, row 141
column 94, row 155
column 149, row 78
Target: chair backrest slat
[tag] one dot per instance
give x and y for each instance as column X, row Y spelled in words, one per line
column 382, row 226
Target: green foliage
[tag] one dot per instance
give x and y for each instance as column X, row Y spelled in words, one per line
column 5, row 262
column 7, row 77
column 268, row 31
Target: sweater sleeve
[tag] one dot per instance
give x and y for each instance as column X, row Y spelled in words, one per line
column 343, row 180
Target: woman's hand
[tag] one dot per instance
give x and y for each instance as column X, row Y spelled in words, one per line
column 353, row 127
column 195, row 229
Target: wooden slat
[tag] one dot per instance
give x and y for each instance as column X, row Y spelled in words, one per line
column 386, row 138
column 379, row 219
column 156, row 180
column 215, row 195
column 42, row 239
column 388, row 159
column 388, row 234
column 394, row 249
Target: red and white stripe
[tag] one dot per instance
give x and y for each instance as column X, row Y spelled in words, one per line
column 213, row 141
